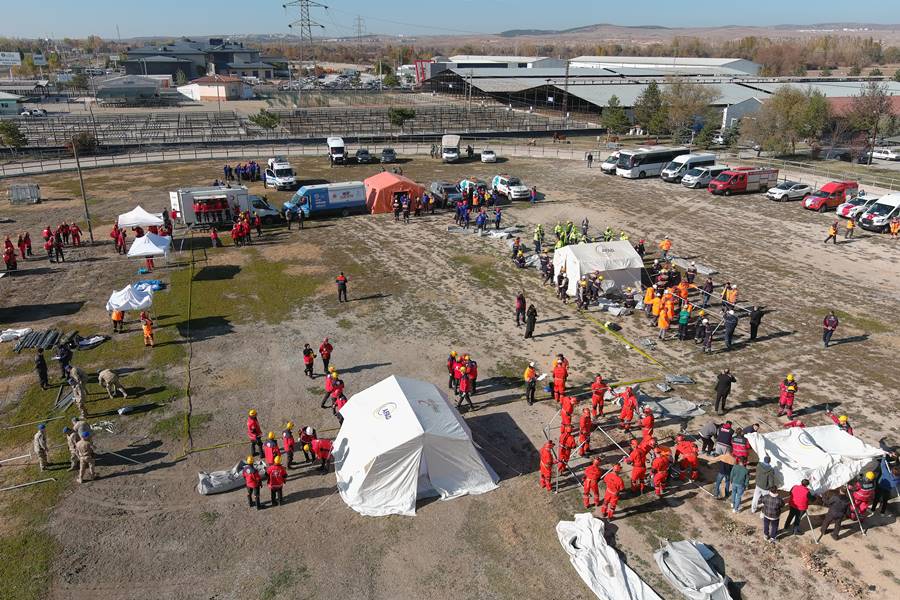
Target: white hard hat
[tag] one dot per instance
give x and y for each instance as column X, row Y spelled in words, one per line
column 308, row 431
column 730, row 312
column 531, row 363
column 705, row 321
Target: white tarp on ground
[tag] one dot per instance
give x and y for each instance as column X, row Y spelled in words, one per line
column 9, row 335
column 825, row 455
column 401, row 440
column 149, row 244
column 216, row 482
column 683, row 565
column 616, row 261
column 128, row 298
column 598, row 564
column 139, row 218
column 701, row 269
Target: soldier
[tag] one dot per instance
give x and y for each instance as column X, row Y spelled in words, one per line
column 39, row 444
column 40, row 367
column 71, row 440
column 78, row 392
column 110, row 380
column 85, row 451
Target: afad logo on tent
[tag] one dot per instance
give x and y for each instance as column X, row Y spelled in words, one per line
column 384, row 411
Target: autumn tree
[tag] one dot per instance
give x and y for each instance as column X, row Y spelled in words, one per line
column 686, row 101
column 868, row 108
column 787, row 117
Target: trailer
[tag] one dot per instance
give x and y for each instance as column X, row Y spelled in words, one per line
column 204, row 207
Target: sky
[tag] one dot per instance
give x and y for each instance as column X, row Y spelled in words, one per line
column 80, row 18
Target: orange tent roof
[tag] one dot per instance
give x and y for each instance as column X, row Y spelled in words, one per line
column 381, row 188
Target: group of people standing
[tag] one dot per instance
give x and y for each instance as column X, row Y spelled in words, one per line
column 249, row 171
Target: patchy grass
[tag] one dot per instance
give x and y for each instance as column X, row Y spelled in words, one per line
column 482, row 269
column 208, row 517
column 655, row 529
column 281, row 582
column 867, row 324
column 173, row 426
column 345, row 323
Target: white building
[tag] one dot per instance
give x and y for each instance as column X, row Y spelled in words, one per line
column 216, row 88
column 738, row 65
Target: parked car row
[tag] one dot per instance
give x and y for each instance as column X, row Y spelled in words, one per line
column 448, row 194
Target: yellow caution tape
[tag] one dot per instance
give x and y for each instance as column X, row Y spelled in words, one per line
column 623, row 339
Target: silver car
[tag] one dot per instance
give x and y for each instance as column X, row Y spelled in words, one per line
column 789, row 190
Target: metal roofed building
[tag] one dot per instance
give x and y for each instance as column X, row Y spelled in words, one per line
column 662, row 62
column 159, row 65
column 9, row 104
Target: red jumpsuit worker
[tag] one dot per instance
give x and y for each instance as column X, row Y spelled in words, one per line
column 864, row 494
column 451, row 362
column 287, row 437
column 688, row 451
column 560, row 374
column 565, row 420
column 585, row 425
column 660, row 467
column 253, row 481
column 547, row 461
column 254, row 432
column 598, row 391
column 566, row 445
column 277, row 476
column 842, row 422
column 786, row 401
column 322, row 449
column 271, row 449
column 325, row 350
column 472, row 373
column 629, row 404
column 591, row 483
column 647, row 422
column 614, row 487
column 638, row 461
column 307, row 435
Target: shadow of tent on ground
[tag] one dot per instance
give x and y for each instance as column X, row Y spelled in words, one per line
column 204, row 328
column 503, row 445
column 38, row 312
column 217, row 273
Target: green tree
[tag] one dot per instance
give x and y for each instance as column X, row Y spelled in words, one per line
column 390, row 80
column 704, row 137
column 398, row 116
column 876, row 72
column 180, row 77
column 650, row 109
column 897, row 75
column 854, row 71
column 613, row 117
column 265, row 119
column 686, row 101
column 826, row 72
column 84, row 142
column 11, row 135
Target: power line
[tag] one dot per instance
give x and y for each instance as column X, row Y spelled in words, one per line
column 420, row 25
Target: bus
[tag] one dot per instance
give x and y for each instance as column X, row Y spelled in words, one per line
column 646, row 162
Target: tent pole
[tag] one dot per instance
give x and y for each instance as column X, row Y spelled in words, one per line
column 811, row 529
column 856, row 512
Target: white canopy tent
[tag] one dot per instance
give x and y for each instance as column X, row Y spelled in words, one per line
column 139, row 218
column 130, row 298
column 618, row 262
column 149, row 245
column 402, row 440
column 826, row 455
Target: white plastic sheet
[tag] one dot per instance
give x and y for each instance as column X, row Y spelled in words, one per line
column 683, row 565
column 9, row 335
column 825, row 455
column 129, row 298
column 216, row 482
column 599, row 565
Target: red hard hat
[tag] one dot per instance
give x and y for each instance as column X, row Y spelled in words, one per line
column 618, row 467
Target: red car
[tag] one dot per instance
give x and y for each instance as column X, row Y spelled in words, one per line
column 831, row 195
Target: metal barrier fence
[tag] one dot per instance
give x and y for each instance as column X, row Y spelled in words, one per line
column 822, row 173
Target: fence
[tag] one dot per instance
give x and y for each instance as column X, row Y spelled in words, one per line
column 822, row 173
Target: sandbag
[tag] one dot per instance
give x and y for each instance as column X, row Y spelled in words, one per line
column 91, row 342
column 217, row 482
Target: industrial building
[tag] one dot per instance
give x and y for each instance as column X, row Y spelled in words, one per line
column 720, row 65
column 9, row 104
column 137, row 90
column 216, row 88
column 196, row 59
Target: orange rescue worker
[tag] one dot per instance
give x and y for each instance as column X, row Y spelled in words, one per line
column 629, row 403
column 254, row 432
column 647, row 422
column 568, row 404
column 253, row 481
column 665, row 245
column 585, row 425
column 566, row 445
column 277, row 476
column 638, row 461
column 649, row 294
column 147, row 326
column 656, row 305
column 530, row 377
column 895, row 228
column 660, row 467
column 688, row 451
column 591, row 483
column 598, row 391
column 271, row 449
column 614, row 487
column 547, row 461
column 560, row 373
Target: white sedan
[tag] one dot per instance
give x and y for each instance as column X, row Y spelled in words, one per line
column 789, row 190
column 886, row 153
column 488, row 156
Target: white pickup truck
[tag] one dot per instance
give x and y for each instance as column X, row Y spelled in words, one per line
column 511, row 188
column 279, row 174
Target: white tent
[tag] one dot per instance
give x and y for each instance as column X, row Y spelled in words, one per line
column 401, row 440
column 149, row 244
column 139, row 218
column 825, row 455
column 598, row 563
column 130, row 298
column 618, row 262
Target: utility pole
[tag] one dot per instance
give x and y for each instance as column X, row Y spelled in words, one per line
column 565, row 102
column 305, row 24
column 87, row 215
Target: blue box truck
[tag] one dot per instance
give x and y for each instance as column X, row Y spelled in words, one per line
column 328, row 199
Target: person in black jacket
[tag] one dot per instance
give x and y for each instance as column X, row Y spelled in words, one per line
column 530, row 320
column 838, row 503
column 723, row 388
column 40, row 367
column 756, row 315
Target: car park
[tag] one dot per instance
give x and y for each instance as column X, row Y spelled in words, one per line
column 388, row 155
column 488, row 156
column 855, row 207
column 472, row 184
column 33, row 112
column 879, row 215
column 699, row 177
column 675, row 170
column 831, row 195
column 789, row 190
column 446, row 194
column 363, row 156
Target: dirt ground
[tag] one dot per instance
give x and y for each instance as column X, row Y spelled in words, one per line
column 417, row 291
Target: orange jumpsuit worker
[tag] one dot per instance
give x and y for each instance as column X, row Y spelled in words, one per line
column 547, row 460
column 614, row 486
column 660, row 467
column 663, row 322
column 598, row 391
column 585, row 425
column 638, row 461
column 688, row 451
column 147, row 326
column 566, row 445
column 649, row 294
column 665, row 246
column 629, row 403
column 647, row 422
column 591, row 483
column 560, row 373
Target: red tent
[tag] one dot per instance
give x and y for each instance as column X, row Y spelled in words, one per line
column 383, row 187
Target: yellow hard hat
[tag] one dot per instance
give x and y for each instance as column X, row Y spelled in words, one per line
column 466, row 357
column 842, row 418
column 462, row 369
column 277, row 460
column 252, row 412
column 271, row 435
column 870, row 475
column 453, row 353
column 249, row 460
column 331, row 369
column 792, row 388
column 290, row 425
column 306, row 447
column 790, row 376
column 334, row 374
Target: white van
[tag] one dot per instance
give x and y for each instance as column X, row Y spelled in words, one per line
column 699, row 177
column 879, row 215
column 450, row 148
column 336, row 152
column 608, row 165
column 675, row 170
column 279, row 174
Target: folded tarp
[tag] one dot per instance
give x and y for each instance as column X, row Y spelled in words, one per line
column 217, row 482
column 139, row 218
column 598, row 564
column 671, row 407
column 701, row 269
column 683, row 565
column 149, row 244
column 91, row 342
column 9, row 335
column 826, row 455
column 128, row 298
